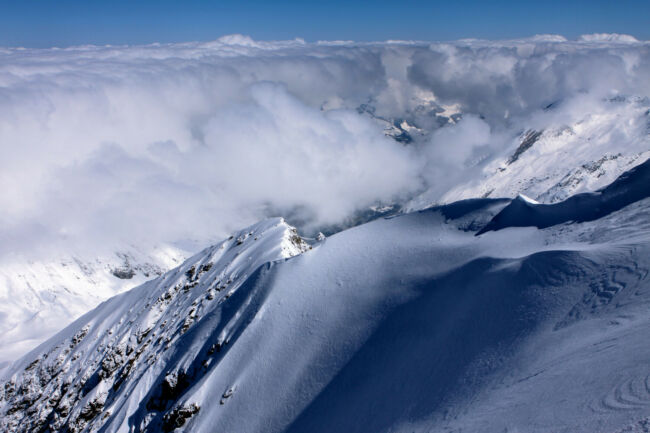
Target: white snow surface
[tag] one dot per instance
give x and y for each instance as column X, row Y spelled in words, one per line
column 566, row 158
column 411, row 323
column 39, row 297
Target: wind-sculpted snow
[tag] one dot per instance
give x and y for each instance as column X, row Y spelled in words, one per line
column 409, row 323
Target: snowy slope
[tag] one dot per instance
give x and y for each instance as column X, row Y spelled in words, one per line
column 412, row 323
column 557, row 159
column 145, row 127
column 39, row 297
column 632, row 186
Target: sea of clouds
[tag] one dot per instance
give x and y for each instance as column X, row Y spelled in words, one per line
column 101, row 146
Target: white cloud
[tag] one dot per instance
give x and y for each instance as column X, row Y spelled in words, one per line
column 160, row 143
column 608, row 37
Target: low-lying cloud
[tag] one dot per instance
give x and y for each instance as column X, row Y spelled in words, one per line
column 105, row 145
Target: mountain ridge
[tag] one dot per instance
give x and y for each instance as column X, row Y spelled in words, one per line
column 414, row 306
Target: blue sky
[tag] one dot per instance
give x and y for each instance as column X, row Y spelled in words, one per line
column 43, row 23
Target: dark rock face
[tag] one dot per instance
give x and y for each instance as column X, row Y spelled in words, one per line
column 177, row 417
column 527, row 142
column 123, row 273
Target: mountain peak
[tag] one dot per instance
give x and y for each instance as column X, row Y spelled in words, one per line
column 133, row 338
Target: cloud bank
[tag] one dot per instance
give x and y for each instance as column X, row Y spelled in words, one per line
column 165, row 143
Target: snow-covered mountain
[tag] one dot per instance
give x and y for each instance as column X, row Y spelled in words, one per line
column 480, row 315
column 558, row 158
column 39, row 297
column 550, row 164
column 114, row 158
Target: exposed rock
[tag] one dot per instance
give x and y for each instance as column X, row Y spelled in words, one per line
column 178, row 416
column 530, row 137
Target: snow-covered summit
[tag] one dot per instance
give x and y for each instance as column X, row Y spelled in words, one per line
column 409, row 323
column 630, row 187
column 130, row 331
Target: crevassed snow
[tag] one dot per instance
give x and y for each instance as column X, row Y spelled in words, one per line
column 410, row 323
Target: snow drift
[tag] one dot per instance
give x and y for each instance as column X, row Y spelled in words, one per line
column 409, row 323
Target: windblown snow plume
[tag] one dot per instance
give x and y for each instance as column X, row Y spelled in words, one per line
column 151, row 152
